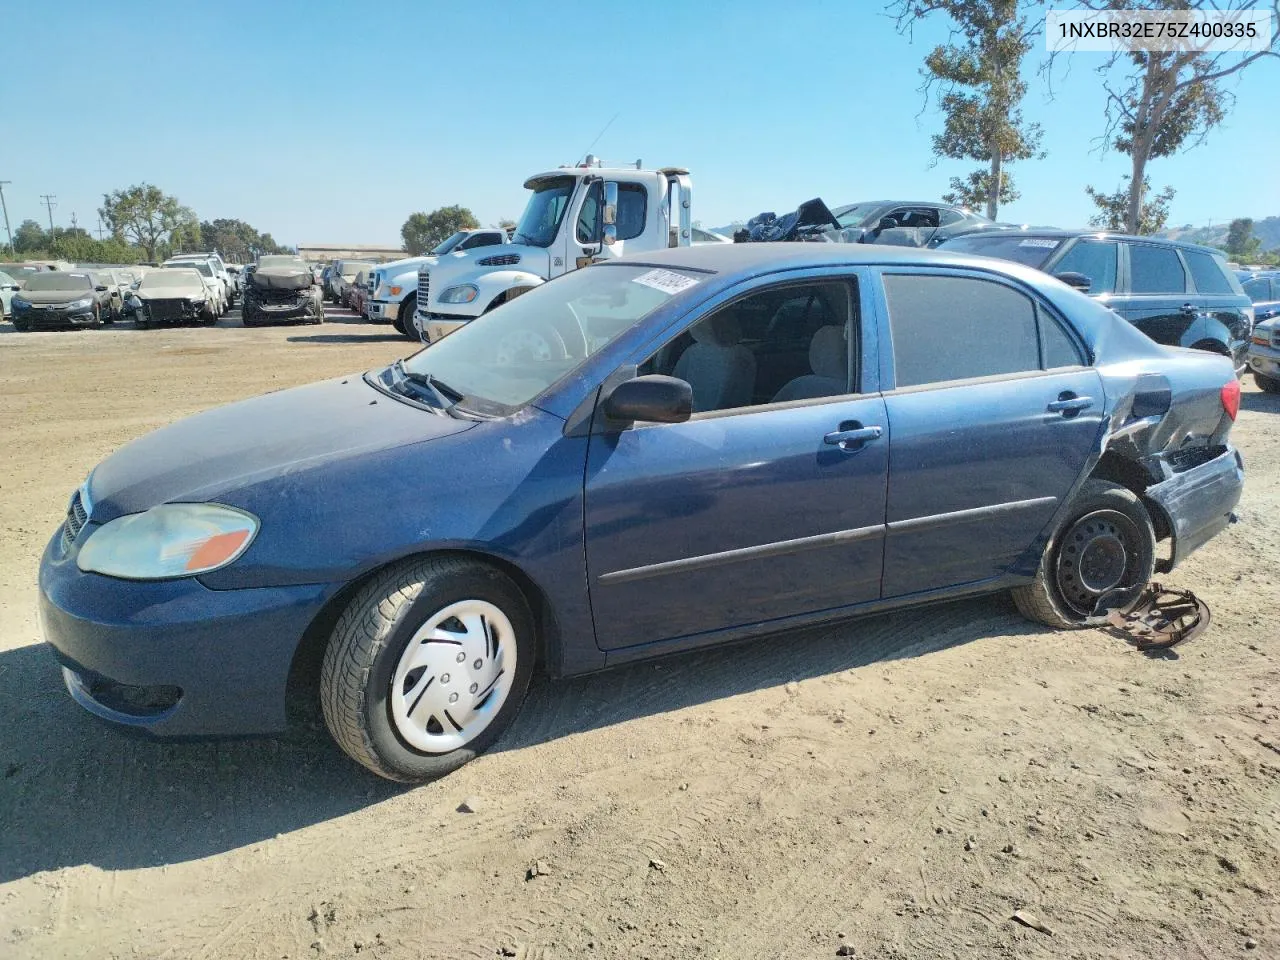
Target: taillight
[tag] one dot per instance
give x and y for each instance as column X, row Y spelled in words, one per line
column 1231, row 397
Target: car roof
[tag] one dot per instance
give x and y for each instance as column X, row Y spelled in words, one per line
column 1067, row 234
column 745, row 257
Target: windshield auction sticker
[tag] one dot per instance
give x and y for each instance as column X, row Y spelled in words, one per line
column 668, row 281
column 1108, row 31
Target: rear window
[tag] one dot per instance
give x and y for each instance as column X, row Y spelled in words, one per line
column 1209, row 273
column 1033, row 251
column 1155, row 269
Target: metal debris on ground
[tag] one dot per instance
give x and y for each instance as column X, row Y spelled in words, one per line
column 1161, row 618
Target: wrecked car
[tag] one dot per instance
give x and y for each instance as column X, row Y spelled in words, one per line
column 173, row 295
column 892, row 222
column 661, row 452
column 281, row 289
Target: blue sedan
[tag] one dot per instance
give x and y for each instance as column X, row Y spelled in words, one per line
column 643, row 457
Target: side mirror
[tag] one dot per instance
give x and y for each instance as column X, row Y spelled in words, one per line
column 650, row 399
column 609, row 231
column 1075, row 280
column 100, row 288
column 887, row 223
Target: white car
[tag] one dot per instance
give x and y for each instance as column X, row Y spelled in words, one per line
column 229, row 287
column 208, row 272
column 8, row 287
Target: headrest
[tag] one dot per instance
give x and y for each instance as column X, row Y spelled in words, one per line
column 721, row 329
column 828, row 356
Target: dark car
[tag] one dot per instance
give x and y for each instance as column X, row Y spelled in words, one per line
column 281, row 289
column 650, row 455
column 57, row 299
column 1178, row 294
column 1263, row 288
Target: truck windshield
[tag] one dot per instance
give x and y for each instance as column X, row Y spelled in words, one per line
column 446, row 245
column 541, row 218
column 501, row 361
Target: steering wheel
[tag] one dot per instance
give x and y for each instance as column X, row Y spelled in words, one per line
column 531, row 345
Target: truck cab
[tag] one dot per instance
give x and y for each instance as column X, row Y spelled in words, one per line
column 574, row 216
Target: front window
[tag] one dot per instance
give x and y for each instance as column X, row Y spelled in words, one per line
column 854, row 215
column 1095, row 259
column 540, row 221
column 503, row 360
column 1032, row 251
column 57, row 280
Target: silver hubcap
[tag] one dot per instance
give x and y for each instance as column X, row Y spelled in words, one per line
column 454, row 676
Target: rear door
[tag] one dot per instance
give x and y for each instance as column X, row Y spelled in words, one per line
column 992, row 414
column 1160, row 300
column 1224, row 303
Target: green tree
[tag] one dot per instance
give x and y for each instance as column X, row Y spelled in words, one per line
column 1163, row 101
column 980, row 89
column 30, row 237
column 148, row 217
column 1113, row 209
column 1241, row 243
column 236, row 240
column 423, row 231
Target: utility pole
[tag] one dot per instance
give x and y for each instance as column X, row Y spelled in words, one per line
column 48, row 199
column 3, row 184
column 74, row 224
column 101, row 233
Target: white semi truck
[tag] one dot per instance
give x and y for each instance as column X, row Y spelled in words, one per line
column 576, row 215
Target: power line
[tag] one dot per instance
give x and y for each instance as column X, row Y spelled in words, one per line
column 3, row 184
column 48, row 199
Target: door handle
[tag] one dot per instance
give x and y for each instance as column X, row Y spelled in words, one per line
column 1068, row 404
column 853, row 438
column 1190, row 309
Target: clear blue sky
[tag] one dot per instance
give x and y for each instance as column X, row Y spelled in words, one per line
column 332, row 121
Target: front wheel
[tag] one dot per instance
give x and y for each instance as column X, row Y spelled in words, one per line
column 1269, row 384
column 1106, row 545
column 427, row 666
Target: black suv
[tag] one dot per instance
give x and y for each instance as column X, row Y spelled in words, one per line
column 1178, row 294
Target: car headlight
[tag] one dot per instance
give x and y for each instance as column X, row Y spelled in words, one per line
column 80, row 304
column 463, row 293
column 171, row 540
column 19, row 303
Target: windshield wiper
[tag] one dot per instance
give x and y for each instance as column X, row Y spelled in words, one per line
column 444, row 395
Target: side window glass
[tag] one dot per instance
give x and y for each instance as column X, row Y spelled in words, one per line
column 953, row 328
column 587, row 215
column 1059, row 349
column 1257, row 289
column 632, row 203
column 1095, row 260
column 773, row 346
column 1209, row 275
column 948, row 217
column 1155, row 269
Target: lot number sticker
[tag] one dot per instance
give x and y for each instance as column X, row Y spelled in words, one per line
column 1038, row 242
column 665, row 280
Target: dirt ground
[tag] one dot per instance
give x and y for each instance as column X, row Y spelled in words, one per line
column 892, row 788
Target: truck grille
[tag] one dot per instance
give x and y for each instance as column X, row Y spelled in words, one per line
column 1275, row 337
column 77, row 516
column 424, row 288
column 500, row 260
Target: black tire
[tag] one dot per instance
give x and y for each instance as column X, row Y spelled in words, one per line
column 1269, row 384
column 22, row 326
column 404, row 316
column 1106, row 526
column 372, row 634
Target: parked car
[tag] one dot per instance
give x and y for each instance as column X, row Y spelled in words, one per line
column 234, row 274
column 358, row 293
column 708, row 236
column 220, row 271
column 61, row 298
column 173, row 295
column 208, row 270
column 281, row 289
column 655, row 454
column 1263, row 288
column 344, row 274
column 8, row 287
column 1178, row 294
column 914, row 223
column 119, row 284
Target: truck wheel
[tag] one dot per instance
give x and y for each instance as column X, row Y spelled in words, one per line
column 1106, row 543
column 404, row 316
column 427, row 666
column 1269, row 384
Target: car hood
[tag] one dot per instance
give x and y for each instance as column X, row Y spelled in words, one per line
column 216, row 452
column 530, row 258
column 45, row 297
column 188, row 291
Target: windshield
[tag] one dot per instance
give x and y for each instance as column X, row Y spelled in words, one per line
column 275, row 260
column 506, row 358
column 1033, row 251
column 169, row 277
column 200, row 265
column 57, row 280
column 541, row 218
column 446, row 245
column 854, row 215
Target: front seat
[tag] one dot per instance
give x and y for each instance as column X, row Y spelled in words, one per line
column 828, row 359
column 721, row 371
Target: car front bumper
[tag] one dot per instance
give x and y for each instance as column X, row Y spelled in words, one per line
column 42, row 318
column 434, row 326
column 1264, row 360
column 307, row 309
column 1198, row 503
column 173, row 658
column 384, row 311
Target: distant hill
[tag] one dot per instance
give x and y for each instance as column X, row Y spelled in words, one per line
column 1268, row 231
